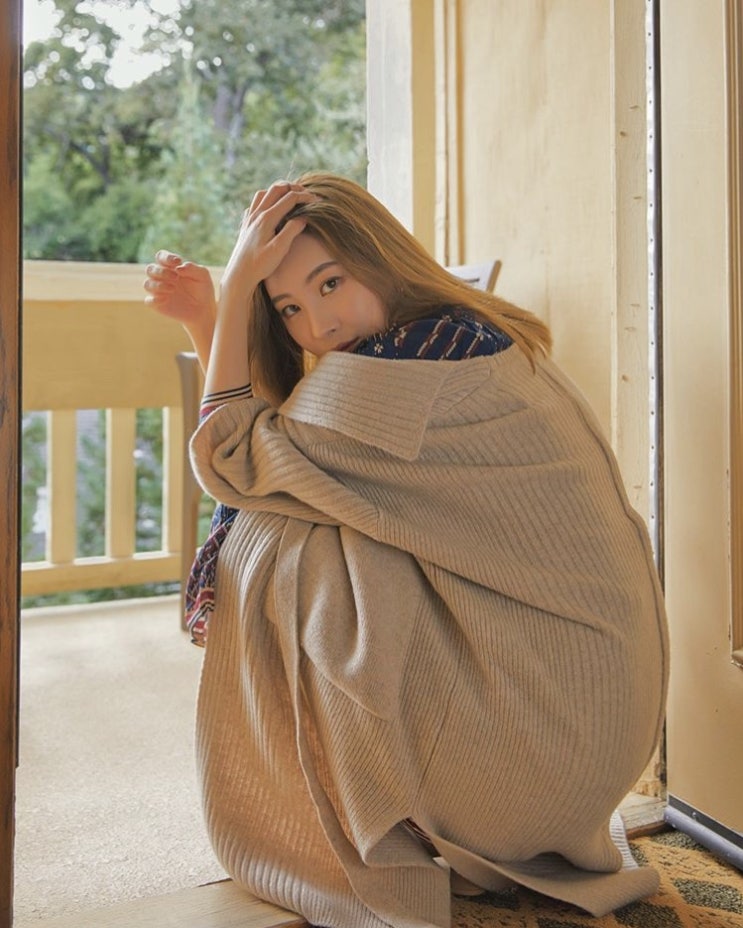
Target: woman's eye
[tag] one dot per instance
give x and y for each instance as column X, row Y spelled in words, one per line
column 329, row 285
column 287, row 312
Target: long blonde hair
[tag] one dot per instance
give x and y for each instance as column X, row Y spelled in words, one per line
column 376, row 249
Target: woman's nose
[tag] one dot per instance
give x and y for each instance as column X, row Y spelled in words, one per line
column 323, row 322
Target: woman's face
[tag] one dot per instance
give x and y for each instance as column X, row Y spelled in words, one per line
column 323, row 307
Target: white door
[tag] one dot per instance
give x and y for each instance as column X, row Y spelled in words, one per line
column 701, row 122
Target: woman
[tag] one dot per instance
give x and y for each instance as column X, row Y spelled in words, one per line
column 438, row 643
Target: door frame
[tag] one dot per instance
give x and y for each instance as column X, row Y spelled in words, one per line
column 701, row 78
column 10, row 404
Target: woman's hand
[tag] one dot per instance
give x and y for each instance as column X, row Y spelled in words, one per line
column 262, row 244
column 180, row 289
column 265, row 237
column 184, row 291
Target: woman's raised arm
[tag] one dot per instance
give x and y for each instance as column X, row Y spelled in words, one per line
column 184, row 291
column 262, row 244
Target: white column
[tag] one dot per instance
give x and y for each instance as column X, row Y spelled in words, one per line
column 401, row 111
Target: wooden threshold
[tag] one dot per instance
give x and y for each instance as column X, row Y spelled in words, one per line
column 216, row 905
column 642, row 815
column 224, row 905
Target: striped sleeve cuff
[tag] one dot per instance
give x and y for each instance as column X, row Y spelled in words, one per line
column 211, row 401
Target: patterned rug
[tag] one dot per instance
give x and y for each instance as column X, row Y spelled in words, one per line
column 697, row 890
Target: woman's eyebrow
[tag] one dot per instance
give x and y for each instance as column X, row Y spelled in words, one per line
column 308, row 280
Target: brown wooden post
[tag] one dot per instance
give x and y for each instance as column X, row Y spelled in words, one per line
column 10, row 285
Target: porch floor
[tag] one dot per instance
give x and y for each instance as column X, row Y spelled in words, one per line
column 107, row 805
column 109, row 830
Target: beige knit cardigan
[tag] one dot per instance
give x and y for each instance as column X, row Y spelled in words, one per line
column 435, row 603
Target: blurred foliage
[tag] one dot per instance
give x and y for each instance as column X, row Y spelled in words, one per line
column 90, row 516
column 33, row 477
column 248, row 91
column 190, row 211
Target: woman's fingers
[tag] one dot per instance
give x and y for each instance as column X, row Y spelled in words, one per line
column 264, row 200
column 158, row 277
column 274, row 216
column 265, row 235
column 281, row 196
column 286, row 234
column 158, row 270
column 179, row 289
column 161, row 277
column 168, row 258
column 258, row 197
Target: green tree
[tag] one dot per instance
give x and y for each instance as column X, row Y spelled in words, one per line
column 285, row 81
column 149, row 477
column 88, row 148
column 48, row 206
column 33, row 465
column 91, row 489
column 189, row 212
column 281, row 90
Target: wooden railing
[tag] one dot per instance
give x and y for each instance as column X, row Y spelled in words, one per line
column 89, row 342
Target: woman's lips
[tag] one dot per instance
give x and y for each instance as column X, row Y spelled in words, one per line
column 347, row 346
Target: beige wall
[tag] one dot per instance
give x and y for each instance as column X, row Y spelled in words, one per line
column 521, row 127
column 517, row 129
column 536, row 172
column 535, row 118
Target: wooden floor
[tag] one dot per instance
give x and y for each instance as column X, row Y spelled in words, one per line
column 223, row 905
column 642, row 815
column 218, row 905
